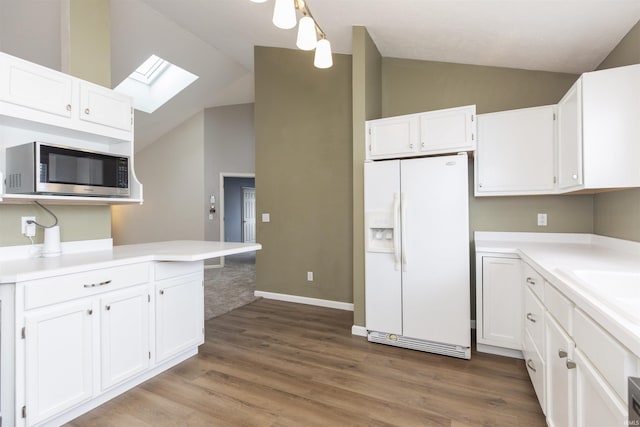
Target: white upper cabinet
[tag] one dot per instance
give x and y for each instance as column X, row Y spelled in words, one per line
column 515, row 153
column 570, row 139
column 105, row 107
column 435, row 132
column 40, row 95
column 592, row 144
column 599, row 131
column 22, row 83
column 393, row 137
column 448, row 131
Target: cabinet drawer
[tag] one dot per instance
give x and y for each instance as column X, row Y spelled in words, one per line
column 534, row 319
column 169, row 269
column 536, row 368
column 558, row 306
column 534, row 281
column 42, row 292
column 614, row 361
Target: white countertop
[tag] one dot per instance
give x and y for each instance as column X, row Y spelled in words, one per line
column 558, row 256
column 17, row 270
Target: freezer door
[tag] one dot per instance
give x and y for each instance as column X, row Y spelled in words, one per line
column 435, row 229
column 383, row 287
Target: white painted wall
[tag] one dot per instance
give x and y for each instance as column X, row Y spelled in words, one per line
column 229, row 148
column 171, row 171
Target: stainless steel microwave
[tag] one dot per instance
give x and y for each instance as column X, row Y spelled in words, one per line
column 42, row 168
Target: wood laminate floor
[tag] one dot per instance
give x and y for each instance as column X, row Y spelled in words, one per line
column 274, row 363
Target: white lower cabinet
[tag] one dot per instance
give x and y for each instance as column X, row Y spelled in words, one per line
column 124, row 335
column 561, row 377
column 499, row 301
column 94, row 333
column 59, row 358
column 577, row 368
column 597, row 404
column 535, row 364
column 179, row 310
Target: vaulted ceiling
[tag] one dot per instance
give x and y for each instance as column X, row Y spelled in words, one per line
column 215, row 38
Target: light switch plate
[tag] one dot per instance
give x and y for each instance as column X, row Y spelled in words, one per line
column 266, row 217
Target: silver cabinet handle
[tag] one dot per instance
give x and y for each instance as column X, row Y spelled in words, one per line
column 411, row 146
column 108, row 307
column 530, row 365
column 562, row 354
column 422, row 145
column 531, row 318
column 87, row 111
column 68, row 107
column 161, row 291
column 93, row 285
column 571, row 364
column 90, row 312
column 574, row 176
column 530, row 281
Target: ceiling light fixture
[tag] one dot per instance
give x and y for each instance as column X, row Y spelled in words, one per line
column 284, row 16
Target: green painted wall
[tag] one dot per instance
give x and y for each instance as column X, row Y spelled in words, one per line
column 89, row 22
column 303, row 128
column 367, row 104
column 617, row 214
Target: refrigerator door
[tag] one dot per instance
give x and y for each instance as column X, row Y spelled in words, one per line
column 383, row 293
column 436, row 295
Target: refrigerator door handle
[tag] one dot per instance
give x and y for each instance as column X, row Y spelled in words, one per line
column 403, row 225
column 396, row 247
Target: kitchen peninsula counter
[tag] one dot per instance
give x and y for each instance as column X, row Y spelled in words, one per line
column 21, row 269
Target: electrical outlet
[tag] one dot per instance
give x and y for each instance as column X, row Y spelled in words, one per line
column 309, row 276
column 542, row 219
column 28, row 230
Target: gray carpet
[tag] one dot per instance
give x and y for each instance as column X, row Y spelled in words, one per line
column 231, row 286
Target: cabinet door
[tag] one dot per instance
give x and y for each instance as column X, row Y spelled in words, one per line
column 570, row 138
column 124, row 334
column 448, row 131
column 105, row 107
column 560, row 376
column 36, row 87
column 516, row 151
column 179, row 315
column 59, row 358
column 597, row 404
column 501, row 321
column 392, row 137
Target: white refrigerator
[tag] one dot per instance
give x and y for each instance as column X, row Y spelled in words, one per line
column 417, row 290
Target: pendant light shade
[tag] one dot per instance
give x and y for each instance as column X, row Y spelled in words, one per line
column 306, row 34
column 323, row 57
column 284, row 14
column 285, row 17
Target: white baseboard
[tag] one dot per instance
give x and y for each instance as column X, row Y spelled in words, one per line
column 360, row 331
column 485, row 348
column 305, row 300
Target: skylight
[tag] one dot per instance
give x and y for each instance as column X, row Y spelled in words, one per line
column 155, row 82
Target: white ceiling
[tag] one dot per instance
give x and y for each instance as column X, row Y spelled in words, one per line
column 215, row 38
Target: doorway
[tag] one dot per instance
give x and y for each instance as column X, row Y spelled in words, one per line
column 237, row 211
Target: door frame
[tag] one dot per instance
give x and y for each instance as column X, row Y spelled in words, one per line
column 224, row 175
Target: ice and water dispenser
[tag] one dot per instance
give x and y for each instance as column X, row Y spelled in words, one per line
column 380, row 232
